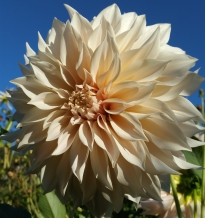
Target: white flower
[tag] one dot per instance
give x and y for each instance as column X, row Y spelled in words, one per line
column 4, row 100
column 167, row 208
column 102, row 107
column 200, row 137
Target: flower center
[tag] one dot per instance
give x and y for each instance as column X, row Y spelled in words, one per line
column 83, row 103
column 80, row 99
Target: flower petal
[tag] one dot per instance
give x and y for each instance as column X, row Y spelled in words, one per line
column 82, row 25
column 164, row 134
column 110, row 75
column 66, row 138
column 47, row 101
column 78, row 157
column 54, row 37
column 126, row 22
column 89, row 183
column 127, row 126
column 112, row 15
column 104, row 140
column 103, row 56
column 86, row 134
column 126, row 39
column 30, row 86
column 184, row 110
column 63, row 178
column 132, row 92
column 69, row 52
column 115, row 106
column 142, row 71
column 100, row 166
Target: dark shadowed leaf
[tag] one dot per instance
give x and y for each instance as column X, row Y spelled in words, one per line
column 2, row 131
column 7, row 211
column 165, row 182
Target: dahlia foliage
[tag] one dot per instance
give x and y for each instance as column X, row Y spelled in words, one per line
column 101, row 105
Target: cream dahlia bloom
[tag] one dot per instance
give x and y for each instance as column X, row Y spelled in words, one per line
column 101, row 105
column 167, row 208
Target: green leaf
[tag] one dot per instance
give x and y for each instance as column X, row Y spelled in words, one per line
column 51, row 207
column 2, row 131
column 191, row 157
column 195, row 157
column 7, row 211
column 81, row 216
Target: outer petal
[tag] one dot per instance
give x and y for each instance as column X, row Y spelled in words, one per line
column 126, row 39
column 48, row 177
column 164, row 134
column 82, row 25
column 66, row 138
column 89, row 183
column 127, row 126
column 103, row 56
column 112, row 15
column 69, row 52
column 126, row 22
column 47, row 101
column 54, row 37
column 30, row 86
column 195, row 84
column 132, row 92
column 133, row 152
column 63, row 178
column 98, row 35
column 29, row 51
column 78, row 158
column 184, row 110
column 86, row 134
column 142, row 71
column 100, row 166
column 104, row 140
column 112, row 73
column 123, row 171
column 47, row 74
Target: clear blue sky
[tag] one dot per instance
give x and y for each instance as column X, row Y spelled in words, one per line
column 21, row 19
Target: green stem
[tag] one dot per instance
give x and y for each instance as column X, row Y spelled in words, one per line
column 203, row 185
column 195, row 203
column 203, row 165
column 174, row 191
column 34, row 192
column 11, row 158
column 33, row 207
column 8, row 126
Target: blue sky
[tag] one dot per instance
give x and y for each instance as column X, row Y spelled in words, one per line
column 20, row 20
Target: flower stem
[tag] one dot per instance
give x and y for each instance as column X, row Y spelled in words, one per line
column 8, row 126
column 203, row 164
column 203, row 185
column 174, row 191
column 195, row 203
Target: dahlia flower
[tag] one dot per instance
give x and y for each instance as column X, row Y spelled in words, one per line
column 102, row 107
column 167, row 208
